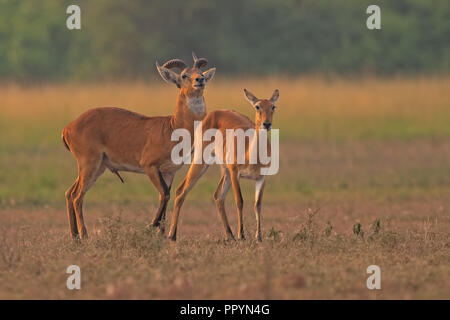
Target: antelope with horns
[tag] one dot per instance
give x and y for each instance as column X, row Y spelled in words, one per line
column 121, row 140
column 232, row 171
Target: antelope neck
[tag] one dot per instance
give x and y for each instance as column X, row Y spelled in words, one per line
column 187, row 110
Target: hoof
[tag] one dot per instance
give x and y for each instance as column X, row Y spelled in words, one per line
column 161, row 229
column 84, row 234
column 172, row 238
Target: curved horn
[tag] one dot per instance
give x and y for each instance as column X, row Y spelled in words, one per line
column 199, row 63
column 175, row 63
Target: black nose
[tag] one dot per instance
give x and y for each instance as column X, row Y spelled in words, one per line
column 267, row 125
column 199, row 80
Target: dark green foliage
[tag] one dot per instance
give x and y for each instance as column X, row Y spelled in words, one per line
column 122, row 39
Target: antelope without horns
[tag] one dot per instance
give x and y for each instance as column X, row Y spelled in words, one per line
column 231, row 172
column 121, row 140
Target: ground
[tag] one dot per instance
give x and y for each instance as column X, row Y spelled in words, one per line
column 364, row 180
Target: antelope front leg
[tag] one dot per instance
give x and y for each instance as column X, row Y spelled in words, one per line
column 194, row 173
column 160, row 220
column 164, row 195
column 239, row 201
column 259, row 190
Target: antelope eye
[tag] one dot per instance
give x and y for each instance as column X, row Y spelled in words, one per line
column 257, row 107
column 184, row 76
column 273, row 108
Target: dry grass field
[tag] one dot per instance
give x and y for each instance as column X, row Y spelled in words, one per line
column 371, row 151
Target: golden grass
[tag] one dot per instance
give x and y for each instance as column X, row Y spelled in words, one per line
column 357, row 149
column 300, row 97
column 310, row 108
column 297, row 259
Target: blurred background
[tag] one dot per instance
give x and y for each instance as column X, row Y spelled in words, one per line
column 343, row 87
column 341, row 84
column 122, row 39
column 364, row 119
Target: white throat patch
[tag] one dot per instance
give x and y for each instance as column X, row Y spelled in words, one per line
column 197, row 105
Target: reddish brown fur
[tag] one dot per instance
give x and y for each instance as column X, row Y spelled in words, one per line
column 231, row 173
column 121, row 140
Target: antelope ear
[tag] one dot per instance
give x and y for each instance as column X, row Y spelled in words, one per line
column 168, row 75
column 209, row 74
column 275, row 96
column 250, row 97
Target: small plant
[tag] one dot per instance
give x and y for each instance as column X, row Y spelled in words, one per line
column 376, row 227
column 9, row 254
column 428, row 230
column 358, row 231
column 301, row 235
column 112, row 238
column 274, row 235
column 145, row 241
column 388, row 239
column 308, row 229
column 113, row 225
column 328, row 229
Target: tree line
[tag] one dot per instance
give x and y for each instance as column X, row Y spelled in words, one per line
column 122, row 39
